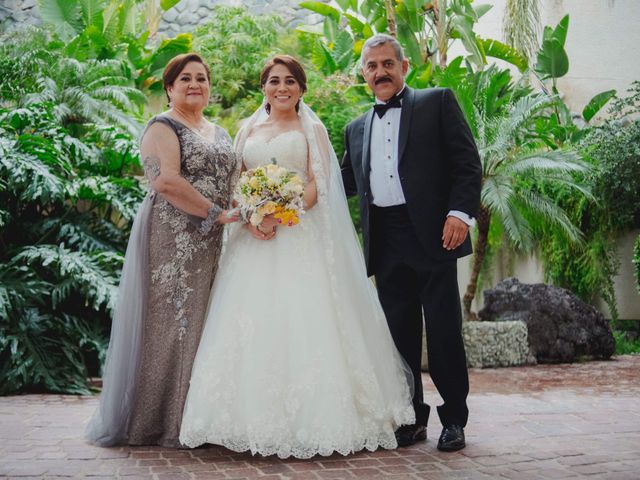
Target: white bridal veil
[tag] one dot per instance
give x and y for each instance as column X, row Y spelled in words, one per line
column 343, row 254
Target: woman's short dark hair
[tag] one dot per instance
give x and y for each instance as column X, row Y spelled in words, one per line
column 176, row 65
column 292, row 65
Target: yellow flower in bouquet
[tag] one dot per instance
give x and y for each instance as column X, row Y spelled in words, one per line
column 287, row 217
column 270, row 189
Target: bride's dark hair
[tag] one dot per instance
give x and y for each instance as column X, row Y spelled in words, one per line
column 293, row 66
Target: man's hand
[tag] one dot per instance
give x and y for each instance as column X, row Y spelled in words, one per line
column 454, row 233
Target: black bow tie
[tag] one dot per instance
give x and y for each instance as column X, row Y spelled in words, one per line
column 381, row 108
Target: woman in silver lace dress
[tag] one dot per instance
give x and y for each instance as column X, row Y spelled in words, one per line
column 169, row 267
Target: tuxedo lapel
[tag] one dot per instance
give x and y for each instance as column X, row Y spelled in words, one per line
column 366, row 147
column 405, row 122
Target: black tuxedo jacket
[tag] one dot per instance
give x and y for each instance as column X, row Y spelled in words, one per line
column 438, row 164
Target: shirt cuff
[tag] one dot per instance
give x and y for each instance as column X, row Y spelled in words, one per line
column 469, row 220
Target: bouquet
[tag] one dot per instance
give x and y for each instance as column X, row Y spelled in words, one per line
column 270, row 189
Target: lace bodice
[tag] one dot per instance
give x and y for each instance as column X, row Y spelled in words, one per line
column 288, row 148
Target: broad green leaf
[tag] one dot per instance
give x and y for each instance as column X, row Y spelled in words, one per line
column 136, row 54
column 330, row 63
column 128, row 18
column 318, row 57
column 420, row 76
column 560, row 32
column 64, row 15
column 360, row 28
column 380, row 24
column 331, row 29
column 344, row 4
column 410, row 43
column 411, row 17
column 169, row 49
column 323, row 9
column 482, row 9
column 92, row 12
column 167, row 4
column 596, row 104
column 312, row 29
column 464, row 28
column 496, row 49
column 552, row 61
column 343, row 50
column 111, row 21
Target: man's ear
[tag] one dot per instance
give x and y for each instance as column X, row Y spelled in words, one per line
column 405, row 66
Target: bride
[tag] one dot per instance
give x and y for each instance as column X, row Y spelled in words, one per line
column 296, row 358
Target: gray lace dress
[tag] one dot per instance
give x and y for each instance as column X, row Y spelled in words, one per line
column 156, row 334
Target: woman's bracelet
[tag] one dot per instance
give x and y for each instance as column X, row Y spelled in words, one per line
column 212, row 215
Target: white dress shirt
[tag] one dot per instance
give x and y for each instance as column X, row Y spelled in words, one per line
column 386, row 188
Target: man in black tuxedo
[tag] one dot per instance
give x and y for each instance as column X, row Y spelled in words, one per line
column 414, row 164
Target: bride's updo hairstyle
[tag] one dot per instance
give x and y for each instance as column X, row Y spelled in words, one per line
column 293, row 66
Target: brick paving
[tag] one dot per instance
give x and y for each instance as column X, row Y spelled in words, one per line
column 527, row 423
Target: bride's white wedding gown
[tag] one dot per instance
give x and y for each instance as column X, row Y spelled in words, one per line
column 295, row 358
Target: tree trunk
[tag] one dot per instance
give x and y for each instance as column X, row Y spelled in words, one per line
column 479, row 250
column 442, row 39
column 391, row 18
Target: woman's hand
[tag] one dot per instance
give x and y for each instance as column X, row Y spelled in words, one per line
column 260, row 234
column 269, row 222
column 228, row 216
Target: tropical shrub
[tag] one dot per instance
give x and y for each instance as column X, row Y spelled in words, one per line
column 236, row 44
column 67, row 200
column 613, row 151
column 67, row 206
column 426, row 30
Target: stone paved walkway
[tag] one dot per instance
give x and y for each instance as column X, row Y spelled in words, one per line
column 530, row 423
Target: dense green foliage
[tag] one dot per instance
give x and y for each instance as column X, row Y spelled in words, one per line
column 627, row 342
column 613, row 151
column 67, row 199
column 66, row 209
column 235, row 45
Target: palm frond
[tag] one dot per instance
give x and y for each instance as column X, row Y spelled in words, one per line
column 499, row 195
column 561, row 161
column 547, row 211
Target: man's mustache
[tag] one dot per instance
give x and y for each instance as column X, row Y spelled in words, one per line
column 383, row 79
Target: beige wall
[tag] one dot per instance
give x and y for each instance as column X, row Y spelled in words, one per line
column 603, row 44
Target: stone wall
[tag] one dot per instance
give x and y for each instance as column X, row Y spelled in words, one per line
column 184, row 17
column 188, row 14
column 15, row 13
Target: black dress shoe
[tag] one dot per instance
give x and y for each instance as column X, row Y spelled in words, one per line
column 451, row 439
column 407, row 435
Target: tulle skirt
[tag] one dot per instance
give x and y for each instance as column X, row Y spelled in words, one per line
column 296, row 358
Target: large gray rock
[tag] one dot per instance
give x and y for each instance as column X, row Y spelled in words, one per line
column 561, row 327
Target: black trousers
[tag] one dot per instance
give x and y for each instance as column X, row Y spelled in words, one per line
column 411, row 284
